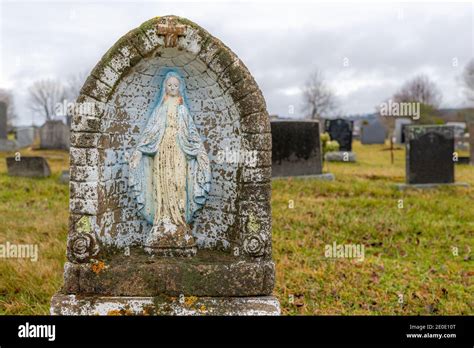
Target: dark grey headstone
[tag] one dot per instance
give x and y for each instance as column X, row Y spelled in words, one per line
column 28, row 166
column 373, row 133
column 429, row 154
column 341, row 131
column 3, row 121
column 296, row 148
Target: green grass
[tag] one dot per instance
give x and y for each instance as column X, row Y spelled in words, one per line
column 408, row 252
column 409, row 266
column 33, row 211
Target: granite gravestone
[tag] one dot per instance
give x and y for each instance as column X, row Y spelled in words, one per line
column 54, row 135
column 429, row 155
column 374, row 132
column 296, row 149
column 341, row 131
column 169, row 77
column 28, row 167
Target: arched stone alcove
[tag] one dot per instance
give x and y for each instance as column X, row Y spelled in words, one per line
column 229, row 111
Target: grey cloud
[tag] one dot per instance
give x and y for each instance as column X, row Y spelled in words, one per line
column 281, row 43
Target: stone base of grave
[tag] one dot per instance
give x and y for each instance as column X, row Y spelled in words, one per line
column 340, row 156
column 463, row 160
column 208, row 274
column 95, row 305
column 403, row 187
column 320, row 177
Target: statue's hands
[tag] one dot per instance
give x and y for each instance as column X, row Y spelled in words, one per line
column 135, row 159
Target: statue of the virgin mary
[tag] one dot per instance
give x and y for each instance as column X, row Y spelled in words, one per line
column 169, row 172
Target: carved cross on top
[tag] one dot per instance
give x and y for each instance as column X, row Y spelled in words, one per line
column 171, row 32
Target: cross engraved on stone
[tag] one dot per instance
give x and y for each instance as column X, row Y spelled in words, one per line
column 432, row 137
column 171, row 33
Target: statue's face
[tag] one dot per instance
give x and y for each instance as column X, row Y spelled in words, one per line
column 172, row 86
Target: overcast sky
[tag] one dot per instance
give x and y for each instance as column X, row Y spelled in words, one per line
column 281, row 43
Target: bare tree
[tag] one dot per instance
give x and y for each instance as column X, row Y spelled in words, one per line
column 468, row 78
column 74, row 84
column 6, row 97
column 44, row 96
column 318, row 98
column 419, row 89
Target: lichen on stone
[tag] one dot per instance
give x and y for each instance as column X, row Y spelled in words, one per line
column 84, row 225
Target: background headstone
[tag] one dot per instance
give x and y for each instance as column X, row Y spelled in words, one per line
column 5, row 143
column 429, row 154
column 374, row 132
column 233, row 271
column 341, row 131
column 54, row 135
column 25, row 136
column 3, row 121
column 340, row 156
column 400, row 124
column 28, row 167
column 471, row 141
column 296, row 148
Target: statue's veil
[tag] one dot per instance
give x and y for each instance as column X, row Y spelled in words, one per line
column 171, row 72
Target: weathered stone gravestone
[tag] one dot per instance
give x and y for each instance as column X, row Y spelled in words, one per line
column 341, row 131
column 25, row 136
column 429, row 156
column 471, row 142
column 374, row 132
column 54, row 135
column 296, row 149
column 28, row 167
column 167, row 213
column 400, row 124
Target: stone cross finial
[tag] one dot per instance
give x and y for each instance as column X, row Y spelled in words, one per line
column 171, row 31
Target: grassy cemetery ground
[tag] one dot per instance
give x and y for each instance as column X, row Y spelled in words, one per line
column 410, row 267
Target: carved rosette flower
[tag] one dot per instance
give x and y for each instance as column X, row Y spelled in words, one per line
column 254, row 245
column 81, row 247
